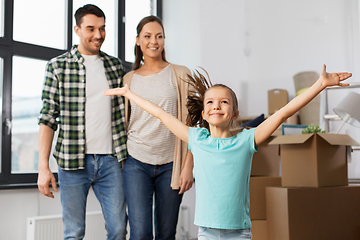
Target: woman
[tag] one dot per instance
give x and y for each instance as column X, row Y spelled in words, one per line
column 156, row 157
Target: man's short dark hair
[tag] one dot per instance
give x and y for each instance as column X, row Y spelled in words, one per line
column 87, row 9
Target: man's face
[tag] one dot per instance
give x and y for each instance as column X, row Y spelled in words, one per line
column 91, row 33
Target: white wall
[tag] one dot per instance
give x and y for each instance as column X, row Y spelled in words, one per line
column 250, row 45
column 261, row 44
column 209, row 34
column 17, row 205
column 296, row 36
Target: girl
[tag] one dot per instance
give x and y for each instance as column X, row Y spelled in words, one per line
column 222, row 160
column 156, row 157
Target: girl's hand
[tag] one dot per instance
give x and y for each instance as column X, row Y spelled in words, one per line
column 333, row 79
column 117, row 91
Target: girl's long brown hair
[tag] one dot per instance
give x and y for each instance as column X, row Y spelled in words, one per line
column 195, row 102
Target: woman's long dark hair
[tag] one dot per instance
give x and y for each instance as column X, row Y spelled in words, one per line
column 137, row 50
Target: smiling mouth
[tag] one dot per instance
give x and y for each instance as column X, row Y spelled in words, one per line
column 154, row 48
column 97, row 41
column 216, row 114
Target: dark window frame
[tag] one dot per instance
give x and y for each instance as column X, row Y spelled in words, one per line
column 10, row 48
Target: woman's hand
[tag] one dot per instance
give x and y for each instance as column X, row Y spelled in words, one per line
column 117, row 91
column 186, row 175
column 186, row 180
column 333, row 79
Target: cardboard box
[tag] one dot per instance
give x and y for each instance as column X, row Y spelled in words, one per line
column 314, row 160
column 329, row 213
column 257, row 188
column 259, row 229
column 277, row 98
column 266, row 161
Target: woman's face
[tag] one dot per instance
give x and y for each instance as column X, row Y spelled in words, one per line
column 151, row 40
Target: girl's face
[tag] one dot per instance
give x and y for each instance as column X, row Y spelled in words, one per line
column 219, row 107
column 151, row 40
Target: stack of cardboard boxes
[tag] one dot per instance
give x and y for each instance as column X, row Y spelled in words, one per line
column 265, row 172
column 314, row 201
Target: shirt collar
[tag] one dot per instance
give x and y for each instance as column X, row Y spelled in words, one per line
column 79, row 58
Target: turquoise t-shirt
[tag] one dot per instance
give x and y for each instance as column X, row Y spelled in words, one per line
column 222, row 172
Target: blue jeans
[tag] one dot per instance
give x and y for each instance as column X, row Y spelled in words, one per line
column 104, row 174
column 142, row 182
column 219, row 234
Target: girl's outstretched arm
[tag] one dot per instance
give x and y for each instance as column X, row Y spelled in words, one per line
column 171, row 122
column 266, row 128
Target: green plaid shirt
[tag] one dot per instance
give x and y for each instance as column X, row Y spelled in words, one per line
column 63, row 99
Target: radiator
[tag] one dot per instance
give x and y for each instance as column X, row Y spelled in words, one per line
column 51, row 227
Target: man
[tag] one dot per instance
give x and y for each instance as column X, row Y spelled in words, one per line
column 91, row 140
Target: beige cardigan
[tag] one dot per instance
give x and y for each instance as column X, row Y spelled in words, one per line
column 182, row 88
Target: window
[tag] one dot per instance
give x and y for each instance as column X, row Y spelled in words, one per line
column 1, row 18
column 26, row 102
column 31, row 33
column 43, row 26
column 1, row 84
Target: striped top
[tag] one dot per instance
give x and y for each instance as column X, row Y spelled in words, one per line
column 149, row 141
